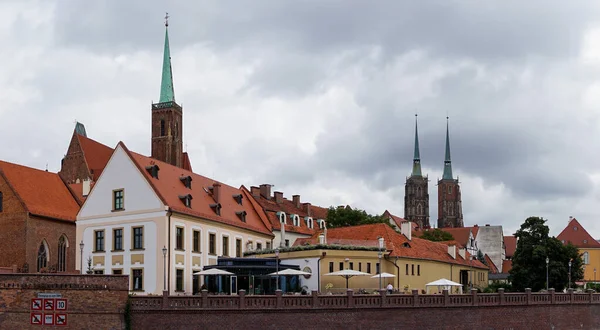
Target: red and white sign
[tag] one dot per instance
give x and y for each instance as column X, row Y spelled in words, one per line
column 61, row 304
column 48, row 319
column 36, row 318
column 36, row 304
column 48, row 304
column 60, row 318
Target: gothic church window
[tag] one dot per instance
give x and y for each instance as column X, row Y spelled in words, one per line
column 449, row 189
column 162, row 127
column 42, row 257
column 62, row 254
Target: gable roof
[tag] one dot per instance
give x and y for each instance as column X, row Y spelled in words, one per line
column 186, row 164
column 575, row 234
column 490, row 264
column 398, row 245
column 510, row 245
column 96, row 155
column 461, row 235
column 270, row 207
column 170, row 189
column 42, row 193
column 399, row 220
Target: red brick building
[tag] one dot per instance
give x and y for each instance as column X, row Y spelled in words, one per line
column 37, row 217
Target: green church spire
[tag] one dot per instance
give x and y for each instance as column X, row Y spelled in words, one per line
column 416, row 171
column 447, row 161
column 167, row 93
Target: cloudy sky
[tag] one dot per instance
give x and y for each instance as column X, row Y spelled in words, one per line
column 318, row 97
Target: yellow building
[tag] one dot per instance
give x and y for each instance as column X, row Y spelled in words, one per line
column 413, row 261
column 589, row 248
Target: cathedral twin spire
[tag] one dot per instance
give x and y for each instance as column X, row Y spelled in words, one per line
column 416, row 171
column 167, row 92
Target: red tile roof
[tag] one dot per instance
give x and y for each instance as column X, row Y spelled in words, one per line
column 490, row 264
column 96, row 155
column 169, row 188
column 510, row 245
column 398, row 220
column 506, row 266
column 461, row 235
column 398, row 245
column 577, row 235
column 271, row 208
column 43, row 193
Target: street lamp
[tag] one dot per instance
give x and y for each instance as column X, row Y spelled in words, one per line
column 570, row 263
column 277, row 269
column 380, row 254
column 164, row 251
column 81, row 245
column 547, row 262
column 594, row 275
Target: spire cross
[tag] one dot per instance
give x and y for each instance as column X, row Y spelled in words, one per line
column 166, row 19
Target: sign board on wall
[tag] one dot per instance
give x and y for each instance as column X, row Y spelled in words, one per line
column 49, row 309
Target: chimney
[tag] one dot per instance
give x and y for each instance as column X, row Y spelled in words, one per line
column 265, row 191
column 461, row 252
column 278, row 197
column 216, row 191
column 255, row 191
column 306, row 208
column 570, row 218
column 296, row 199
column 86, row 187
column 406, row 229
column 452, row 251
column 321, row 239
column 381, row 242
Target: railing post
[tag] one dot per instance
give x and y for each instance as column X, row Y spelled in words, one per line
column 165, row 300
column 350, row 297
column 205, row 298
column 570, row 292
column 528, row 295
column 315, row 299
column 415, row 294
column 242, row 297
column 552, row 297
column 279, row 304
column 382, row 297
column 501, row 296
column 474, row 295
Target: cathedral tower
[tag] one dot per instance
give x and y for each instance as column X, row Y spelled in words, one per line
column 167, row 116
column 449, row 200
column 416, row 191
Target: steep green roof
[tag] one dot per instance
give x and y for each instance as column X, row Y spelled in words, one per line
column 167, row 93
column 416, row 171
column 447, row 161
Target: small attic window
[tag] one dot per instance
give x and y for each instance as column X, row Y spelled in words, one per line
column 241, row 215
column 321, row 224
column 309, row 222
column 238, row 198
column 153, row 170
column 406, row 245
column 216, row 207
column 187, row 200
column 575, row 228
column 281, row 216
column 584, row 241
column 187, row 181
column 295, row 220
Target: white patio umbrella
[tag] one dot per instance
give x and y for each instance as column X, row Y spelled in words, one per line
column 289, row 272
column 347, row 273
column 383, row 275
column 446, row 284
column 213, row 271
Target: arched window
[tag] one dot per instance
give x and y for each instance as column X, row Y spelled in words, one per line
column 42, row 257
column 586, row 258
column 62, row 254
column 419, row 209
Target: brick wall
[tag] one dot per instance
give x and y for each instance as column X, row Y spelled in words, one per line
column 94, row 301
column 12, row 221
column 39, row 229
column 73, row 165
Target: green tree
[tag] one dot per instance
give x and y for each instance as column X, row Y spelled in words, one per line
column 437, row 235
column 347, row 216
column 529, row 261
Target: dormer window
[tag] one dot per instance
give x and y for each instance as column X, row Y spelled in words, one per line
column 282, row 217
column 406, row 245
column 216, row 207
column 187, row 200
column 321, row 224
column 309, row 222
column 241, row 215
column 187, row 181
column 238, row 198
column 295, row 220
column 153, row 170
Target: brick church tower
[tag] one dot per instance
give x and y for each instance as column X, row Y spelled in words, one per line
column 167, row 116
column 416, row 190
column 449, row 199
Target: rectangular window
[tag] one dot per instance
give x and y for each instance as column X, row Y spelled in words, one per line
column 360, row 266
column 259, row 246
column 118, row 239
column 238, row 248
column 369, row 267
column 99, row 243
column 99, row 272
column 179, row 238
column 118, row 200
column 137, row 279
column 341, row 266
column 196, row 239
column 406, row 269
column 195, row 284
column 377, row 268
column 179, row 280
column 412, row 272
column 418, row 270
column 117, row 272
column 287, row 242
column 331, row 267
column 138, row 238
column 268, row 245
column 225, row 246
column 351, row 265
column 212, row 243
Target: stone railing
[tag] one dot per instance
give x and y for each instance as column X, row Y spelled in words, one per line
column 350, row 300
